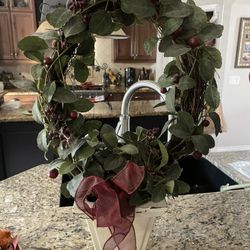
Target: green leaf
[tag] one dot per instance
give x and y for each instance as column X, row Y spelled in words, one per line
column 85, row 152
column 164, row 155
column 64, row 190
column 74, row 183
column 113, row 162
column 206, row 68
column 42, row 143
column 61, row 64
column 37, row 71
column 181, row 187
column 173, row 171
column 101, row 23
column 36, row 112
column 171, row 68
column 50, row 35
column 63, row 95
column 83, row 105
column 211, row 31
column 214, row 56
column 124, row 18
column 66, row 167
column 24, row 84
column 108, row 136
column 34, row 56
column 139, row 198
column 170, row 186
column 212, row 97
column 56, row 164
column 176, row 50
column 49, row 91
column 203, row 143
column 150, row 44
column 170, row 25
column 77, row 125
column 216, row 120
column 59, row 17
column 164, row 128
column 176, row 10
column 186, row 82
column 81, row 71
column 32, row 43
column 74, row 26
column 159, row 193
column 93, row 168
column 140, row 8
column 184, row 126
column 87, row 46
column 129, row 149
column 170, row 100
column 165, row 81
column 165, row 43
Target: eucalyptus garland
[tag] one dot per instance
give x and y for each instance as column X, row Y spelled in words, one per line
column 87, row 147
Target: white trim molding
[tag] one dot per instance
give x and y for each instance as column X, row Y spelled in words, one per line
column 231, row 148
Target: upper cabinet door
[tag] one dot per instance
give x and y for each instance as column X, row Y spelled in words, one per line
column 4, row 4
column 22, row 5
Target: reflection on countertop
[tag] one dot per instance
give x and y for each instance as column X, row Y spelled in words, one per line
column 200, row 221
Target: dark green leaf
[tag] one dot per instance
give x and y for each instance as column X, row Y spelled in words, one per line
column 81, row 71
column 32, row 43
column 42, row 143
column 214, row 56
column 61, row 64
column 24, row 84
column 124, row 18
column 66, row 167
column 206, row 68
column 181, row 187
column 176, row 50
column 139, row 198
column 56, row 164
column 93, row 168
column 34, row 56
column 171, row 68
column 141, row 8
column 77, row 125
column 59, row 17
column 186, row 82
column 49, row 91
column 114, row 162
column 129, row 149
column 82, row 105
column 150, row 44
column 170, row 100
column 86, row 47
column 165, row 43
column 74, row 26
column 212, row 97
column 165, row 81
column 64, row 190
column 74, row 183
column 176, row 10
column 164, row 155
column 211, row 31
column 216, row 120
column 63, row 95
column 101, row 23
column 85, row 152
column 173, row 171
column 109, row 136
column 203, row 143
column 36, row 112
column 37, row 71
column 170, row 25
column 159, row 193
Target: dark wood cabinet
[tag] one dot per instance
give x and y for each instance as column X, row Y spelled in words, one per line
column 132, row 49
column 17, row 20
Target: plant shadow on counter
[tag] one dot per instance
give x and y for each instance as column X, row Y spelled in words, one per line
column 201, row 175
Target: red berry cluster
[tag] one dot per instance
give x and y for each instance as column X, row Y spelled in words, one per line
column 77, row 5
column 152, row 133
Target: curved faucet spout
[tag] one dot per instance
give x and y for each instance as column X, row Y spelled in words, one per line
column 124, row 122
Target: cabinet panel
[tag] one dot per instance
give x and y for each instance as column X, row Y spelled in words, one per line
column 6, row 46
column 23, row 25
column 123, row 49
column 22, row 5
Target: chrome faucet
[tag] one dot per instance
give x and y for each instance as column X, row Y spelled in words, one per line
column 124, row 121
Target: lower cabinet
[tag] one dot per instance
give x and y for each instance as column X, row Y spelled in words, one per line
column 18, row 148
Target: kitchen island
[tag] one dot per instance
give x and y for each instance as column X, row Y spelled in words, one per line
column 29, row 205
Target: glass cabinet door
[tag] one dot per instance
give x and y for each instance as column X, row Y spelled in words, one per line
column 3, row 3
column 21, row 4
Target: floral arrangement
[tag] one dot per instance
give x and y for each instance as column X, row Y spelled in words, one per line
column 141, row 166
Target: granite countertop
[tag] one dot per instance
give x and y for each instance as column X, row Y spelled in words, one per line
column 100, row 110
column 200, row 221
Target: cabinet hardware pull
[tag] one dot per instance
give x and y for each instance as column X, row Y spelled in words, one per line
column 16, row 54
column 12, row 54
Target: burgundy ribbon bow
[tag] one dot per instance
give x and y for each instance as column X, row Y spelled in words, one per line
column 111, row 207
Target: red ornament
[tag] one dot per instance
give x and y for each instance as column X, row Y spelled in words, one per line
column 53, row 173
column 197, row 155
column 194, row 42
column 47, row 61
column 205, row 123
column 73, row 115
column 164, row 90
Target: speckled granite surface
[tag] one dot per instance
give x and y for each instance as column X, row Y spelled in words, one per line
column 29, row 206
column 223, row 159
column 100, row 110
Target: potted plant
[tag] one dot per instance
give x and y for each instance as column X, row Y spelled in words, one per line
column 110, row 176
